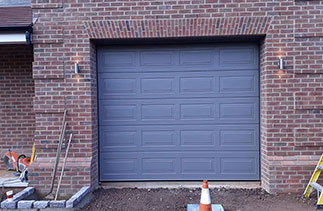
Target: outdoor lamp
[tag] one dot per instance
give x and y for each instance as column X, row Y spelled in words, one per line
column 76, row 68
column 281, row 71
column 281, row 64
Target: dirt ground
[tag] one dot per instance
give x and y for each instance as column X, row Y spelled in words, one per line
column 132, row 199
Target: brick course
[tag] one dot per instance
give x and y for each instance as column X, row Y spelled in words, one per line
column 291, row 105
column 203, row 27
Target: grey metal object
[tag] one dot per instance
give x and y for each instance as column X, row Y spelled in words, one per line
column 179, row 112
column 63, row 168
column 58, row 154
column 281, row 63
column 76, row 68
column 317, row 186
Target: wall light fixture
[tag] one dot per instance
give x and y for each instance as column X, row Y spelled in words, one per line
column 281, row 64
column 76, row 68
column 281, row 71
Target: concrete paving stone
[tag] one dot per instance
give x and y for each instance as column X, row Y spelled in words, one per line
column 12, row 203
column 41, row 204
column 57, row 204
column 8, row 204
column 77, row 197
column 24, row 193
column 25, row 204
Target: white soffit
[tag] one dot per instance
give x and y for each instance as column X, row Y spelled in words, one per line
column 12, row 38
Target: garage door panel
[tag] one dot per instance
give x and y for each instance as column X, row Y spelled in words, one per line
column 158, row 166
column 232, row 57
column 111, row 112
column 239, row 137
column 200, row 138
column 175, row 85
column 169, row 59
column 154, row 111
column 183, row 137
column 118, row 59
column 236, row 84
column 120, row 86
column 157, row 58
column 197, row 84
column 236, row 110
column 157, row 85
column 197, row 165
column 119, row 165
column 119, row 138
column 179, row 111
column 242, row 165
column 185, row 165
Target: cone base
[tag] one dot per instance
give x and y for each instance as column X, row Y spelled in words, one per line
column 196, row 207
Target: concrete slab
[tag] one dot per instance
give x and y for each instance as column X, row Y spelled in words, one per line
column 9, row 204
column 196, row 207
column 57, row 204
column 12, row 203
column 24, row 193
column 25, row 204
column 8, row 180
column 41, row 204
column 77, row 197
column 12, row 183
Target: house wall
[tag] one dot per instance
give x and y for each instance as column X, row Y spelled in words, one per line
column 17, row 120
column 291, row 104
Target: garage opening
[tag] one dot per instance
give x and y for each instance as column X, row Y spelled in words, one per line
column 179, row 112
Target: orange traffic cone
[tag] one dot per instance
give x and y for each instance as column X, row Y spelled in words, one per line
column 205, row 203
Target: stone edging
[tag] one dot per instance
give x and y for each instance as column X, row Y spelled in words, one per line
column 12, row 203
column 18, row 202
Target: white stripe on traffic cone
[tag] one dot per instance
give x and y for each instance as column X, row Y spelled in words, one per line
column 205, row 203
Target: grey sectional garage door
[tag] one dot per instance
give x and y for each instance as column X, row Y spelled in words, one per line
column 179, row 112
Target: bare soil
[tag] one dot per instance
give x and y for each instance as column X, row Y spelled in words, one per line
column 132, row 199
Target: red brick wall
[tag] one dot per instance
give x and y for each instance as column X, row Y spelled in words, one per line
column 17, row 119
column 291, row 111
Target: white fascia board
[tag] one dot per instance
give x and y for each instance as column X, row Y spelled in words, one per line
column 12, row 38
